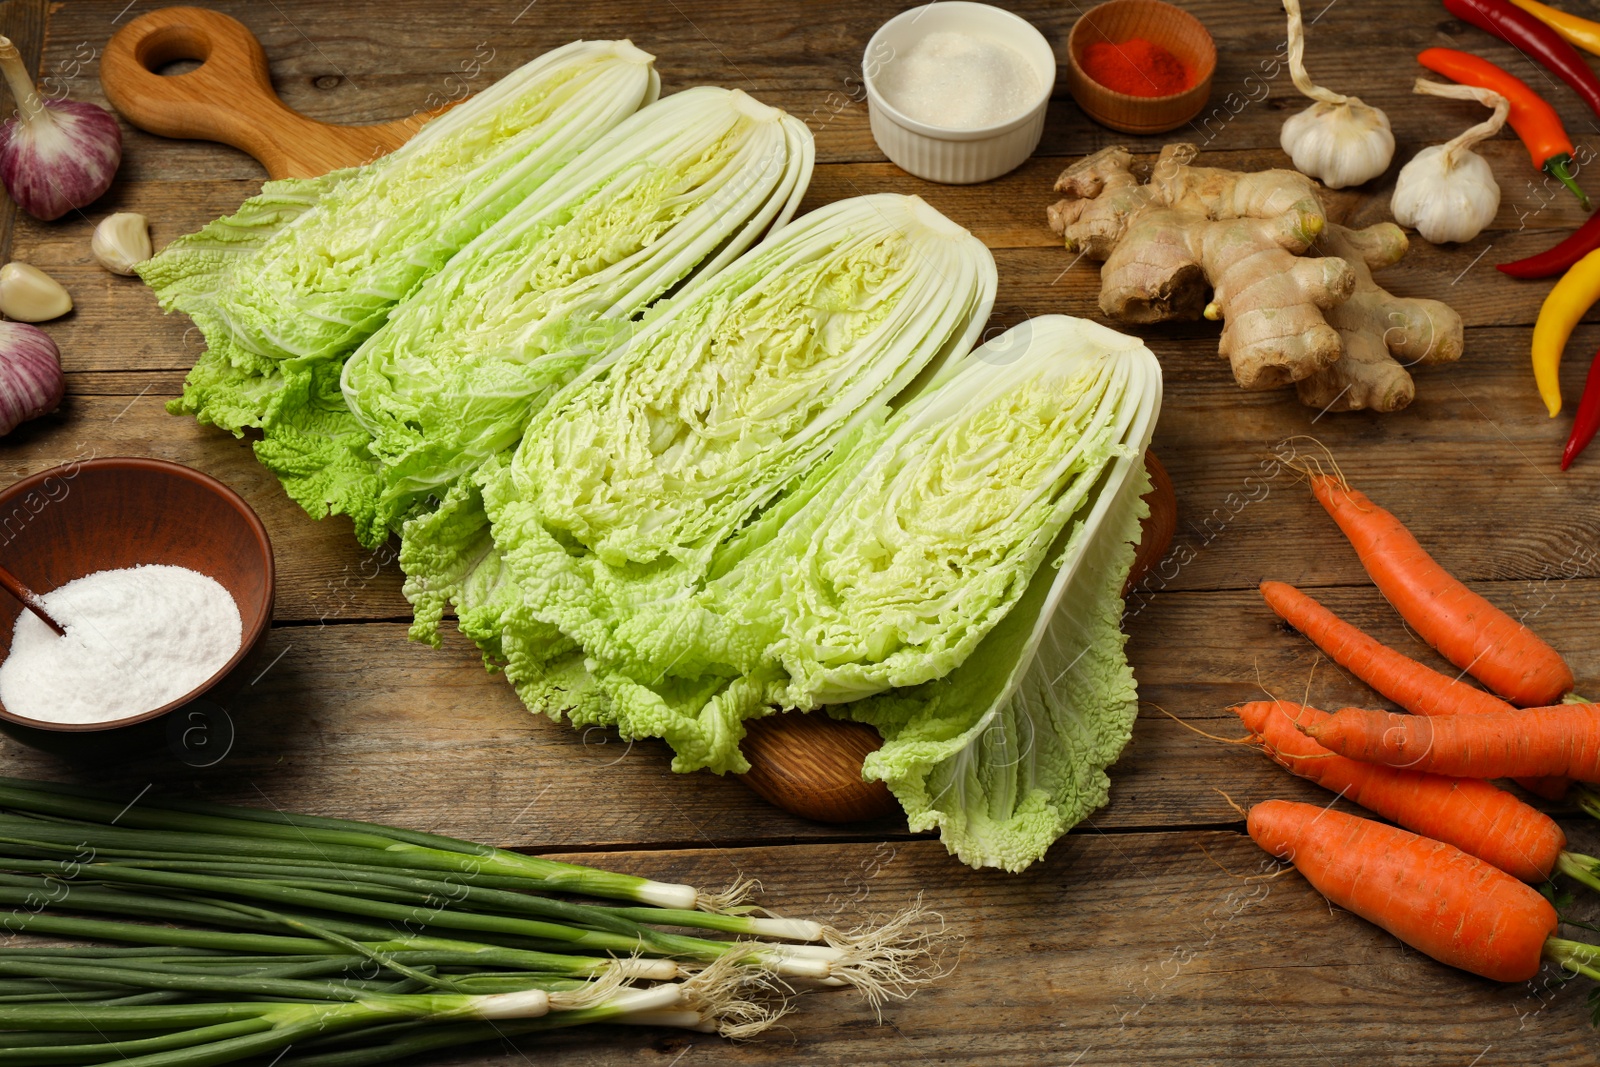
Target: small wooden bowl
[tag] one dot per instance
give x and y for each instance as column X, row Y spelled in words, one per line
column 100, row 514
column 810, row 766
column 1175, row 30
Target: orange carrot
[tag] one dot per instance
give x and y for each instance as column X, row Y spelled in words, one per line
column 1476, row 817
column 1549, row 788
column 1414, row 686
column 1466, row 629
column 1417, row 688
column 1530, row 742
column 1433, row 896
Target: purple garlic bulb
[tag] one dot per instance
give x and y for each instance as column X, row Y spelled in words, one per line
column 55, row 155
column 31, row 382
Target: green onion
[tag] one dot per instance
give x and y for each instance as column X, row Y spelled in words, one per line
column 425, row 1039
column 247, row 933
column 390, row 846
column 421, row 887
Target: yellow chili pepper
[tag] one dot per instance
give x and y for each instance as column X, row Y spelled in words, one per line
column 1578, row 31
column 1572, row 296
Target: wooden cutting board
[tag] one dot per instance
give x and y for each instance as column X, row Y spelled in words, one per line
column 809, row 765
column 229, row 96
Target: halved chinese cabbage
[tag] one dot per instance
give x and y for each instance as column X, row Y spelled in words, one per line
column 1009, row 750
column 302, row 273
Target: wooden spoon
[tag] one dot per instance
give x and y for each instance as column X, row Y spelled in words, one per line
column 810, row 765
column 30, row 600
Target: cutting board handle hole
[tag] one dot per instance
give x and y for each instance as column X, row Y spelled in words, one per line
column 173, row 50
column 177, row 67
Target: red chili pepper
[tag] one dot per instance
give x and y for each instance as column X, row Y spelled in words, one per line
column 1535, row 121
column 1533, row 38
column 1588, row 419
column 1557, row 259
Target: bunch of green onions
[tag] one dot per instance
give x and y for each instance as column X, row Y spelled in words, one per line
column 329, row 943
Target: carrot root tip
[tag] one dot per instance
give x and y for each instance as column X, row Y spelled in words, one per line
column 1243, row 814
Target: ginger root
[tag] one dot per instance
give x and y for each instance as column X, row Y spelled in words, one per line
column 1378, row 328
column 1316, row 320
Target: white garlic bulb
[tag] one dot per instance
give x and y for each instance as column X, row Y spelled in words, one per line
column 121, row 242
column 1447, row 192
column 1444, row 198
column 1339, row 144
column 1338, row 140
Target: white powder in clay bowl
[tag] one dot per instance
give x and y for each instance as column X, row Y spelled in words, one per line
column 137, row 638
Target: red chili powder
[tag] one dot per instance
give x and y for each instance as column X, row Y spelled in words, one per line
column 1136, row 66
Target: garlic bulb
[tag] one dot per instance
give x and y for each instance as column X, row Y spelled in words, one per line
column 1338, row 140
column 121, row 242
column 1447, row 192
column 31, row 382
column 28, row 294
column 55, row 155
column 1339, row 144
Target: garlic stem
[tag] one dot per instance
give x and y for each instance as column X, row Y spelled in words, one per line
column 1483, row 130
column 1297, row 61
column 20, row 82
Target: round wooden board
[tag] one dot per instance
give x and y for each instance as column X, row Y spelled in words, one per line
column 810, row 765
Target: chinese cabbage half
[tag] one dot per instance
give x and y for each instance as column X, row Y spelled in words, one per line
column 302, row 273
column 1008, row 750
column 451, row 379
column 626, row 485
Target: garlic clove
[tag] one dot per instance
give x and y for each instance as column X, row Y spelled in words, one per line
column 28, row 294
column 121, row 242
column 31, row 382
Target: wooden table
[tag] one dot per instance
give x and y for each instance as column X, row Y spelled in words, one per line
column 1143, row 937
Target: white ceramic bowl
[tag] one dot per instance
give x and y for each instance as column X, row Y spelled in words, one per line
column 957, row 157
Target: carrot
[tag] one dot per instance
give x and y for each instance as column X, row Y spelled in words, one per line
column 1417, row 688
column 1529, row 742
column 1474, row 816
column 1433, row 896
column 1414, row 686
column 1466, row 629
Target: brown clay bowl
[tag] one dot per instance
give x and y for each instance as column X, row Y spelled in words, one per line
column 79, row 518
column 1175, row 30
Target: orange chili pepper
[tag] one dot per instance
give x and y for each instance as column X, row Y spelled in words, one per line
column 1535, row 121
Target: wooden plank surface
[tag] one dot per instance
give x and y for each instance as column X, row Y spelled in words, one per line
column 1147, row 936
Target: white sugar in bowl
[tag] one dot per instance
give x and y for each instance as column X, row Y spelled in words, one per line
column 957, row 91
